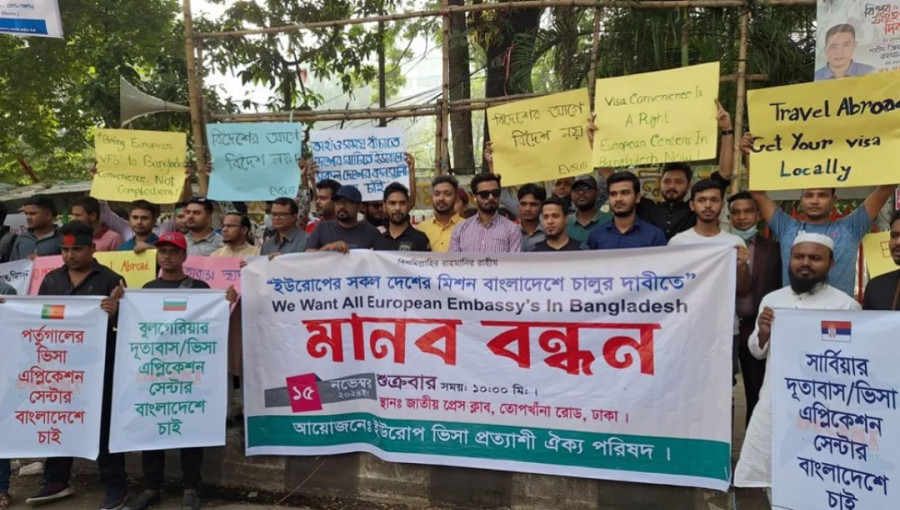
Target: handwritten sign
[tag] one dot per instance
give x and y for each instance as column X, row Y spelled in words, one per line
column 254, row 161
column 134, row 165
column 878, row 254
column 170, row 365
column 368, row 158
column 136, row 269
column 541, row 139
column 654, row 118
column 836, row 430
column 52, row 364
column 17, row 274
column 218, row 272
column 827, row 134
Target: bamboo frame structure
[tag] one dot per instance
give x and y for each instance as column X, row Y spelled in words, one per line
column 443, row 107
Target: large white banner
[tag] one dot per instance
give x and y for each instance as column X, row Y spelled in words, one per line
column 17, row 274
column 35, row 18
column 613, row 364
column 51, row 376
column 170, row 386
column 835, row 425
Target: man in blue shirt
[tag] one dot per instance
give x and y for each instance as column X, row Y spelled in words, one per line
column 840, row 43
column 625, row 230
column 817, row 204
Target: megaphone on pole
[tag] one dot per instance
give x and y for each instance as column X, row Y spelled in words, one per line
column 135, row 104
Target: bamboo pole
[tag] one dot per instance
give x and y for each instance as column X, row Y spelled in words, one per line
column 195, row 94
column 518, row 4
column 740, row 100
column 438, row 134
column 595, row 49
column 445, row 86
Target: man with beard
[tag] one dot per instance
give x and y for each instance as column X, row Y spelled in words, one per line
column 374, row 213
column 41, row 238
column 325, row 192
column 554, row 216
column 236, row 230
column 82, row 275
column 345, row 232
column 587, row 211
column 444, row 197
column 765, row 276
column 817, row 204
column 883, row 291
column 486, row 231
column 811, row 258
column 141, row 220
column 530, row 198
column 400, row 235
column 288, row 237
column 625, row 230
column 201, row 238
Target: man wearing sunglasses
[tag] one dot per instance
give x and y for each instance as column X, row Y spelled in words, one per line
column 487, row 231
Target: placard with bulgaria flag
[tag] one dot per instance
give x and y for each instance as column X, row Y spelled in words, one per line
column 51, row 372
column 171, row 368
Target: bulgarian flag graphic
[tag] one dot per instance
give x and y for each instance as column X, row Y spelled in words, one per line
column 174, row 304
column 53, row 312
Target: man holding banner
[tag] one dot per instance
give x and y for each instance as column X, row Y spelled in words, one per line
column 817, row 205
column 487, row 231
column 444, row 197
column 82, row 275
column 171, row 254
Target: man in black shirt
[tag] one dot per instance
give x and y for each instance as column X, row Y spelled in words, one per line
column 82, row 275
column 171, row 253
column 883, row 291
column 345, row 232
column 400, row 235
column 555, row 218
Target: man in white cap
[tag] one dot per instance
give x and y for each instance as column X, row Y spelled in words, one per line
column 811, row 258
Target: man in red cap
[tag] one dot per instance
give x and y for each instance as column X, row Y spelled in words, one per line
column 171, row 253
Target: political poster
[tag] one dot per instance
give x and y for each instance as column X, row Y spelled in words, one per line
column 52, row 371
column 38, row 18
column 133, row 165
column 827, row 134
column 170, row 386
column 654, row 118
column 534, row 363
column 366, row 158
column 541, row 139
column 855, row 38
column 254, row 160
column 835, row 424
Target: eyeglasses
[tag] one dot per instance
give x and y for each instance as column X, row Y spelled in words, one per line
column 492, row 193
column 281, row 214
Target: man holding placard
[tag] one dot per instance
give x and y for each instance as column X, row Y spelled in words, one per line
column 82, row 275
column 817, row 205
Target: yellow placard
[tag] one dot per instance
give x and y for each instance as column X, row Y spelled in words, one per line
column 136, row 268
column 877, row 253
column 541, row 139
column 134, row 165
column 655, row 118
column 827, row 134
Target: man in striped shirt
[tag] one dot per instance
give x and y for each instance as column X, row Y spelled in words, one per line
column 487, row 231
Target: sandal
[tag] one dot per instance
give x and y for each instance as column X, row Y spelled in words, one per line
column 5, row 500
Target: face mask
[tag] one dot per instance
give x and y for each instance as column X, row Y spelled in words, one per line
column 745, row 234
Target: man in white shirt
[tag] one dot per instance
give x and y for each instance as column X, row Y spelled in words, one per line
column 812, row 256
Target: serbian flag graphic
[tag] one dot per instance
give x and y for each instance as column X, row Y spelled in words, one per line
column 836, row 331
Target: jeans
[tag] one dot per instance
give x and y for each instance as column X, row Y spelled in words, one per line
column 154, row 465
column 4, row 475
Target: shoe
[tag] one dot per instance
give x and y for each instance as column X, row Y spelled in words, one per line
column 114, row 499
column 191, row 501
column 51, row 491
column 144, row 500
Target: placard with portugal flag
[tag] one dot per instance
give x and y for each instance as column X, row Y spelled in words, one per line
column 827, row 134
column 134, row 165
column 655, row 118
column 541, row 139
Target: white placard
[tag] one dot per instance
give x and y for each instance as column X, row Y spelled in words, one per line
column 367, row 158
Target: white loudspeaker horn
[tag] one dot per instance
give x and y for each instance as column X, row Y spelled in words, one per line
column 134, row 104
